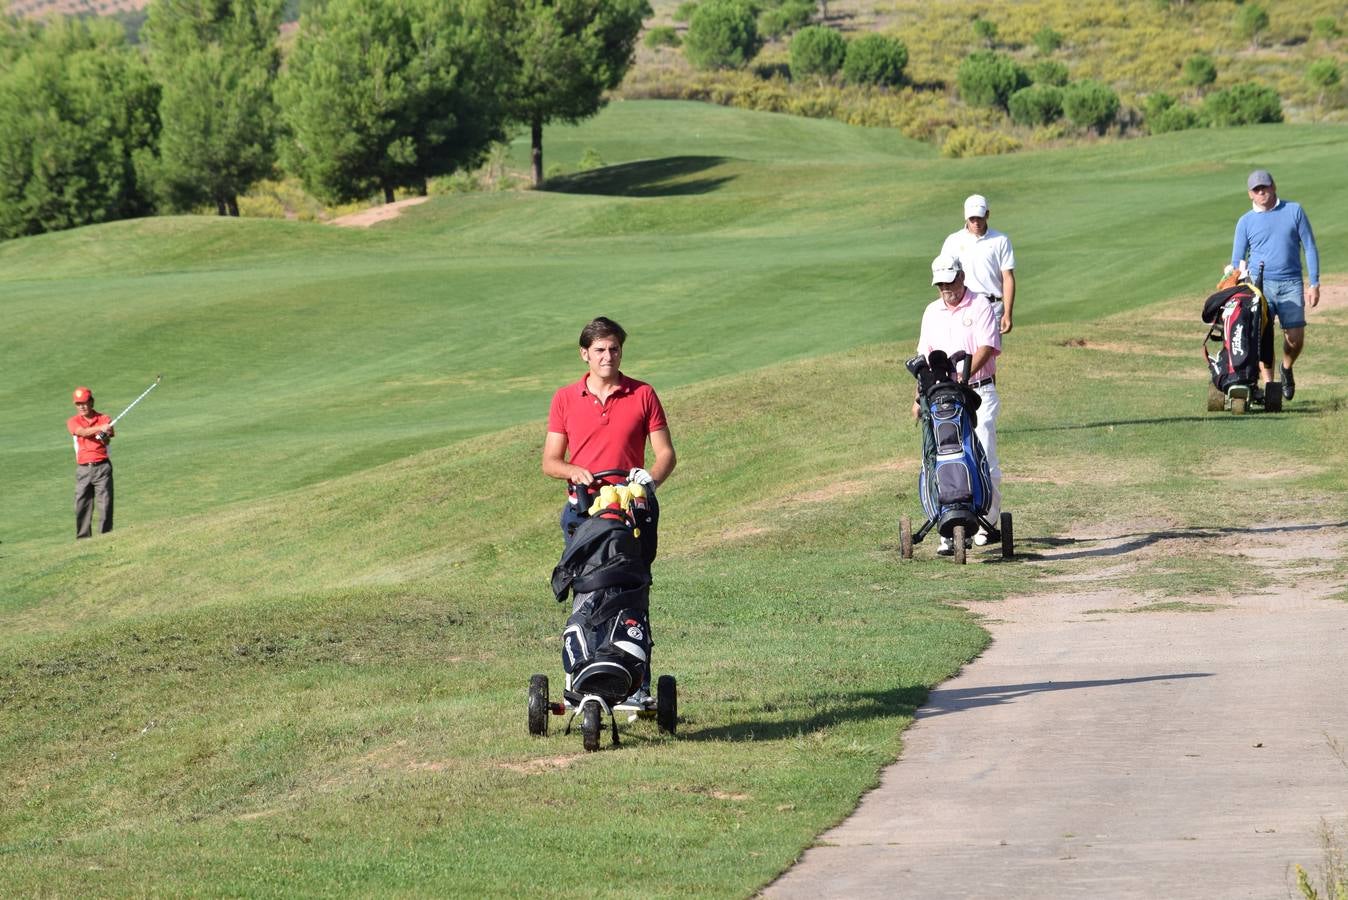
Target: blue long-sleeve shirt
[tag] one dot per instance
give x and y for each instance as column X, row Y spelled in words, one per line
column 1276, row 239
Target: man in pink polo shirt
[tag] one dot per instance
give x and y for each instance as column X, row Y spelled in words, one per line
column 604, row 421
column 962, row 320
column 91, row 431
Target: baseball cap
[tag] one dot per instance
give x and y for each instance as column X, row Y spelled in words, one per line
column 1258, row 177
column 83, row 395
column 944, row 269
column 975, row 205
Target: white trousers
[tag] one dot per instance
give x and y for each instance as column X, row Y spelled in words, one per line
column 986, row 430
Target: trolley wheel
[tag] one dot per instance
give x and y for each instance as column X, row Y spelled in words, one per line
column 906, row 537
column 1216, row 399
column 1237, row 406
column 667, row 703
column 589, row 726
column 957, row 539
column 1008, row 542
column 1273, row 396
column 538, row 704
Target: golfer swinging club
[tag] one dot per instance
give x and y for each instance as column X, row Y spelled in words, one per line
column 91, row 431
column 604, row 421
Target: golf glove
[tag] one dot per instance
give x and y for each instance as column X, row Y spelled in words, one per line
column 640, row 476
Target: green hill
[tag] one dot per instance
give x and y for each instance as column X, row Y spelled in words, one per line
column 298, row 664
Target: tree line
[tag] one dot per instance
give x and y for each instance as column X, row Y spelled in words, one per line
column 374, row 96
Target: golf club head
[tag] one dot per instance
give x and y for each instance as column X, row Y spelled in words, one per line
column 916, row 365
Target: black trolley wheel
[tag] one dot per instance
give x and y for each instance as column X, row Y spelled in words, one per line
column 957, row 539
column 1008, row 541
column 538, row 704
column 906, row 537
column 589, row 726
column 667, row 703
column 1273, row 396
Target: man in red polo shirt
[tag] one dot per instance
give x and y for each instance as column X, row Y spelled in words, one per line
column 604, row 421
column 91, row 431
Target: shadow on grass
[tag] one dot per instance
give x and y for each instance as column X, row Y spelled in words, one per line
column 1134, row 542
column 944, row 702
column 648, row 178
column 834, row 710
column 1313, row 408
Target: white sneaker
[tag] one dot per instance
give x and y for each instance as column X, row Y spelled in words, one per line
column 981, row 538
column 946, row 548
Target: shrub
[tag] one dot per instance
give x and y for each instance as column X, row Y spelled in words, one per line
column 978, row 142
column 662, row 36
column 989, row 79
column 1325, row 28
column 590, row 160
column 684, row 11
column 1038, row 104
column 986, row 31
column 1243, row 104
column 1200, row 70
column 784, row 19
column 1323, row 74
column 1090, row 104
column 1047, row 40
column 1049, row 71
column 1157, row 103
column 1174, row 118
column 875, row 59
column 817, row 51
column 1251, row 21
column 721, row 35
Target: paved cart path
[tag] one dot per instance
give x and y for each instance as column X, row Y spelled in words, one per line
column 1094, row 751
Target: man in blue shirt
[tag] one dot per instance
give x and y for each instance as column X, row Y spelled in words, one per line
column 1273, row 234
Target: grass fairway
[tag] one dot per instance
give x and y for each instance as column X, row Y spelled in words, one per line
column 298, row 666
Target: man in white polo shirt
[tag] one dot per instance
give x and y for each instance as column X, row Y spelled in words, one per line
column 963, row 320
column 988, row 260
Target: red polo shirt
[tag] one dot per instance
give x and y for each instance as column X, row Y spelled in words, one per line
column 608, row 435
column 87, row 449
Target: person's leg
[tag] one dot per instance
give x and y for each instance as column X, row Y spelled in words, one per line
column 986, row 430
column 102, row 480
column 84, row 503
column 1293, row 340
column 1287, row 299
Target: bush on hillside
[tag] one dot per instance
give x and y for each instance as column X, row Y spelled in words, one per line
column 1038, row 104
column 722, row 35
column 875, row 59
column 989, row 79
column 1199, row 70
column 1322, row 75
column 1251, row 21
column 1325, row 28
column 684, row 11
column 1174, row 117
column 977, row 142
column 662, row 36
column 985, row 31
column 1090, row 104
column 1243, row 104
column 1047, row 40
column 1049, row 71
column 782, row 20
column 817, row 52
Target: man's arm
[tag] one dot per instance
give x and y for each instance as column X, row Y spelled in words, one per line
column 1312, row 258
column 662, row 445
column 1008, row 297
column 1240, row 244
column 981, row 357
column 555, row 464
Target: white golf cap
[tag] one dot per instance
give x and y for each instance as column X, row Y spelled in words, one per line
column 975, row 205
column 944, row 269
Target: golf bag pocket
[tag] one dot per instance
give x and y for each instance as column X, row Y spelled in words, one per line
column 607, row 657
column 953, row 484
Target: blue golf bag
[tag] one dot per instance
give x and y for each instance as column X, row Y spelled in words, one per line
column 955, row 482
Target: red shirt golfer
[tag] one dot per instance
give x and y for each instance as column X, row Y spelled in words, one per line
column 91, row 431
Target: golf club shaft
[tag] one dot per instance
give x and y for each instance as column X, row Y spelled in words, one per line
column 137, row 400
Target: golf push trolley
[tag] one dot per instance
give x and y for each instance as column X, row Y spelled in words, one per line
column 606, row 646
column 955, row 483
column 1242, row 327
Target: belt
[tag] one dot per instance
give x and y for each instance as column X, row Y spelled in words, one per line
column 95, row 463
column 991, row 379
column 992, row 299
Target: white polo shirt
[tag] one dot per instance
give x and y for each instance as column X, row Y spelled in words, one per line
column 983, row 259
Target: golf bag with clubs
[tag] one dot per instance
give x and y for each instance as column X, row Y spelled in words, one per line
column 606, row 566
column 955, row 482
column 1243, row 330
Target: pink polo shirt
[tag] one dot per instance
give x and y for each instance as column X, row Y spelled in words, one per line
column 967, row 327
column 608, row 435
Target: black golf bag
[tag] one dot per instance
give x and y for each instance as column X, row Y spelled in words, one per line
column 607, row 567
column 955, row 482
column 1244, row 331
